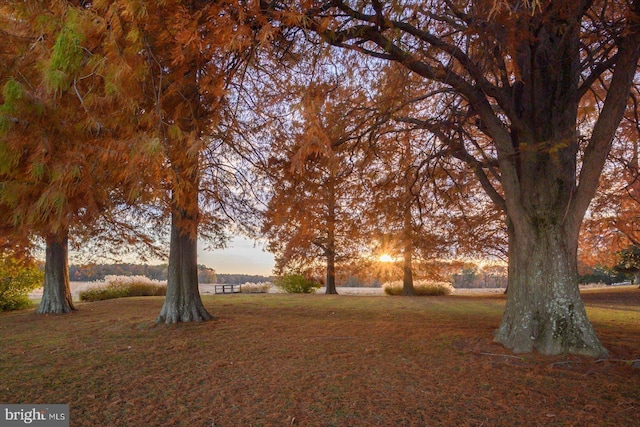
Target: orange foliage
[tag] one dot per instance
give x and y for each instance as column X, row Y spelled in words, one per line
column 614, row 221
column 65, row 137
column 313, row 213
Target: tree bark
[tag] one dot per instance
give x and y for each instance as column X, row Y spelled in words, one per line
column 531, row 118
column 407, row 279
column 330, row 250
column 331, row 274
column 544, row 309
column 545, row 202
column 56, row 295
column 183, row 302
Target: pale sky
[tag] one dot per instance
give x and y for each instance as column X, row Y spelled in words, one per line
column 241, row 256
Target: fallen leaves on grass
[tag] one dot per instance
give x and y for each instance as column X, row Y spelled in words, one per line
column 313, row 360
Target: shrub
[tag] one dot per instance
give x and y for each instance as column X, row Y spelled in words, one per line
column 421, row 287
column 255, row 288
column 124, row 286
column 297, row 284
column 17, row 278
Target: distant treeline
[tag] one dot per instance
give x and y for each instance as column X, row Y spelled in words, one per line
column 479, row 280
column 95, row 272
column 238, row 279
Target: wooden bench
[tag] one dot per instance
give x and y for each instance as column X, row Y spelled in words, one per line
column 227, row 289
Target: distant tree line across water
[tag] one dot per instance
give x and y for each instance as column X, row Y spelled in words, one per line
column 470, row 276
column 239, row 279
column 96, row 272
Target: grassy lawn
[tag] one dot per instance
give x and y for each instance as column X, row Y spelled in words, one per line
column 317, row 360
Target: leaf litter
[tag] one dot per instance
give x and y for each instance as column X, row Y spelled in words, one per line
column 317, row 360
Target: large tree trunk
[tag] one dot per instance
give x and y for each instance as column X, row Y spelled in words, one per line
column 183, row 302
column 545, row 202
column 56, row 295
column 544, row 310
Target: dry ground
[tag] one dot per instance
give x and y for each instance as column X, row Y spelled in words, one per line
column 316, row 360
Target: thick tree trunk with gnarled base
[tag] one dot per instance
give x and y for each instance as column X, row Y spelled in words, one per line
column 56, row 295
column 183, row 302
column 544, row 310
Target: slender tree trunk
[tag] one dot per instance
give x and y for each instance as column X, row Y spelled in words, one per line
column 331, row 239
column 407, row 220
column 544, row 309
column 56, row 295
column 407, row 279
column 331, row 274
column 183, row 302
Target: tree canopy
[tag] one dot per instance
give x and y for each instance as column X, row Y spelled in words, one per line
column 513, row 78
column 448, row 128
column 67, row 157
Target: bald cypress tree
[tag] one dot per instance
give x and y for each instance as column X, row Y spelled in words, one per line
column 190, row 51
column 63, row 149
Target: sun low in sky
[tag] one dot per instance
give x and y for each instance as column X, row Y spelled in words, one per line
column 385, row 258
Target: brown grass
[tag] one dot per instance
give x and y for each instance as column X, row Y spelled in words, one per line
column 317, row 360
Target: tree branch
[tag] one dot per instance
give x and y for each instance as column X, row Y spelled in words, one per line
column 605, row 127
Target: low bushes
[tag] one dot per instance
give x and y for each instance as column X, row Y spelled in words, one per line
column 17, row 278
column 297, row 284
column 421, row 287
column 255, row 288
column 124, row 286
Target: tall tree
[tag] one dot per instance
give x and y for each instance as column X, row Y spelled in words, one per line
column 61, row 150
column 419, row 194
column 522, row 71
column 191, row 49
column 313, row 212
column 398, row 196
